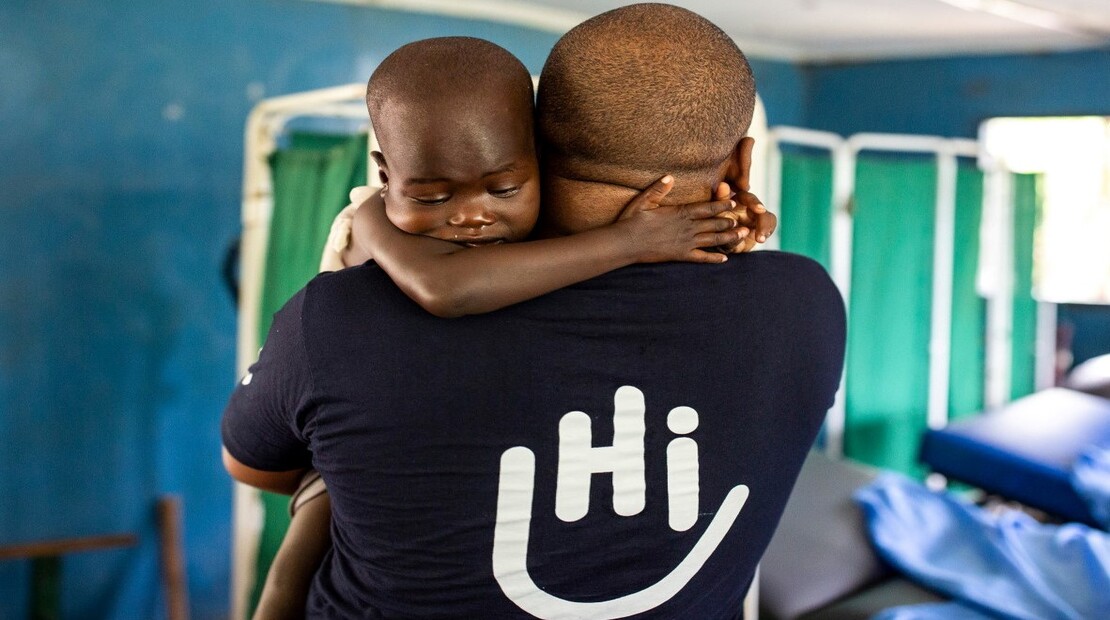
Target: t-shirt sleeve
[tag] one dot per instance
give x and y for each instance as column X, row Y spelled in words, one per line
column 267, row 423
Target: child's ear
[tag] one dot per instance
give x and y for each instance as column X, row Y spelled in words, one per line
column 383, row 171
column 738, row 166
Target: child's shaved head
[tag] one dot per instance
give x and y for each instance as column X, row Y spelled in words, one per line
column 663, row 91
column 454, row 118
column 456, row 73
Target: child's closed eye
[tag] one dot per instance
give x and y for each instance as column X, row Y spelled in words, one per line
column 431, row 200
column 505, row 192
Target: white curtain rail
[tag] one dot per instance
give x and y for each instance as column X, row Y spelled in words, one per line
column 840, row 246
column 528, row 14
column 310, row 100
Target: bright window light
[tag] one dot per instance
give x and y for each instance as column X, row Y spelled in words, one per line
column 1071, row 261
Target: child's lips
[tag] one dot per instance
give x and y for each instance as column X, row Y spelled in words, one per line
column 480, row 241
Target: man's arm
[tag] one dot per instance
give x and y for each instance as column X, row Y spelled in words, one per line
column 265, row 425
column 284, row 482
column 448, row 281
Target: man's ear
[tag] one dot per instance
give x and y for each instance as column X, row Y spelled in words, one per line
column 739, row 164
column 383, row 171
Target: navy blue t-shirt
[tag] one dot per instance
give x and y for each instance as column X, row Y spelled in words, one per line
column 623, row 447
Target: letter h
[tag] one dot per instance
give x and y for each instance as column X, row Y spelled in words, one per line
column 579, row 460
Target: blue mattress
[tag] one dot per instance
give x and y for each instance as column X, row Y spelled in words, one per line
column 1024, row 451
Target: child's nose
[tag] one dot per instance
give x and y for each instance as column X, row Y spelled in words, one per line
column 471, row 215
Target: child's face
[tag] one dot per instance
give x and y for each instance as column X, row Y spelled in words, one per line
column 466, row 176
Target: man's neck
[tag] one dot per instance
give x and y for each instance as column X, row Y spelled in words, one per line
column 572, row 205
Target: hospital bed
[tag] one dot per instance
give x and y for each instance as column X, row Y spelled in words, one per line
column 1024, row 451
column 820, row 564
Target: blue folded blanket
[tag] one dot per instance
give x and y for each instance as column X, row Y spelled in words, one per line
column 992, row 566
column 1090, row 476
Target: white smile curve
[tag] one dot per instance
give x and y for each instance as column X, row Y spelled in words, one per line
column 510, row 550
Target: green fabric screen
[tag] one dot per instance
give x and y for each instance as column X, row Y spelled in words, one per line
column 1023, row 370
column 888, row 326
column 311, row 180
column 806, row 213
column 891, row 306
column 966, row 377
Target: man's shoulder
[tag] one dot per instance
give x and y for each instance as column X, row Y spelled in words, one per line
column 766, row 271
column 779, row 260
column 366, row 279
column 796, row 280
column 333, row 296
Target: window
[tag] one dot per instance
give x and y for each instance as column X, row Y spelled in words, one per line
column 1071, row 261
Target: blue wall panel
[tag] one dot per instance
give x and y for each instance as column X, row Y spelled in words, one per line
column 120, row 191
column 951, row 96
column 781, row 86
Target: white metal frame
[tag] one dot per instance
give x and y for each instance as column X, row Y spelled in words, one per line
column 265, row 124
column 840, row 258
column 1046, row 345
column 760, row 185
column 845, row 153
column 998, row 232
column 999, row 212
column 946, row 151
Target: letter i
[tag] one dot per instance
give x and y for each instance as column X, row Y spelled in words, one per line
column 682, row 470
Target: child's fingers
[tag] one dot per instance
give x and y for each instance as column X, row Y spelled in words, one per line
column 712, row 239
column 655, row 192
column 702, row 256
column 742, row 233
column 744, row 183
column 765, row 226
column 649, row 198
column 755, row 216
column 703, row 210
column 711, row 225
column 751, row 202
column 723, row 191
column 746, row 244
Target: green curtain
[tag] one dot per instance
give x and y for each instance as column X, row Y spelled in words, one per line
column 1023, row 370
column 888, row 328
column 311, row 179
column 888, row 365
column 806, row 213
column 967, row 374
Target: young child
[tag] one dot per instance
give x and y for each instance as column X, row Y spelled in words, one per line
column 458, row 166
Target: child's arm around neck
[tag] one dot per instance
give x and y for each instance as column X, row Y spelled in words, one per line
column 449, row 280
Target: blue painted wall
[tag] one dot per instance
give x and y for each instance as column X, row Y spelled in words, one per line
column 1089, row 328
column 122, row 141
column 781, row 86
column 950, row 97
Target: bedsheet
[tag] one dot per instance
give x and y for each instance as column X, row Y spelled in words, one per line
column 1090, row 475
column 995, row 565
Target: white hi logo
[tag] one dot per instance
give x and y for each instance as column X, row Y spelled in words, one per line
column 578, row 461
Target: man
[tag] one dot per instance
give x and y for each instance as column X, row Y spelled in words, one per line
column 611, row 449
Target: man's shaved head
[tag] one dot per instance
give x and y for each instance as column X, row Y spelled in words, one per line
column 447, row 73
column 643, row 90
